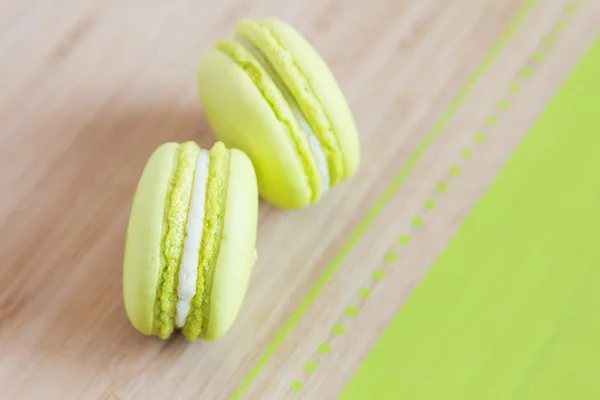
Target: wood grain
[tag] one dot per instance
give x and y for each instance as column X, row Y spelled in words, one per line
column 91, row 88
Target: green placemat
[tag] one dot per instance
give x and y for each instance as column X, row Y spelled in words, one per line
column 511, row 309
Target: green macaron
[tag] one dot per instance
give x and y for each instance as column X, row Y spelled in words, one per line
column 190, row 244
column 267, row 92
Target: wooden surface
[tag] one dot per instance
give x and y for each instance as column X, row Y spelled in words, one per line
column 91, row 88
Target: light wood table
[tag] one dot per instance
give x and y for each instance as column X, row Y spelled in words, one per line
column 90, row 88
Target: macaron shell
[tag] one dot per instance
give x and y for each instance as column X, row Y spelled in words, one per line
column 142, row 258
column 325, row 87
column 237, row 253
column 242, row 119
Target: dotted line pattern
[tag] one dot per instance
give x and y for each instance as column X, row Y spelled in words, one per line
column 455, row 171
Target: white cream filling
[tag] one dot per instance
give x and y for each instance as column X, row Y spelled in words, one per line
column 313, row 141
column 318, row 152
column 188, row 270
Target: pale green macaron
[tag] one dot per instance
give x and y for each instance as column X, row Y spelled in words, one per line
column 190, row 244
column 268, row 93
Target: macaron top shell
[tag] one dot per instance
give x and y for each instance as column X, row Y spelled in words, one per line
column 143, row 260
column 246, row 90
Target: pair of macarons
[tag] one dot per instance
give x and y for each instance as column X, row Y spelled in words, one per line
column 285, row 133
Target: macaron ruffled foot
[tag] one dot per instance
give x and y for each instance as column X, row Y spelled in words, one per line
column 190, row 244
